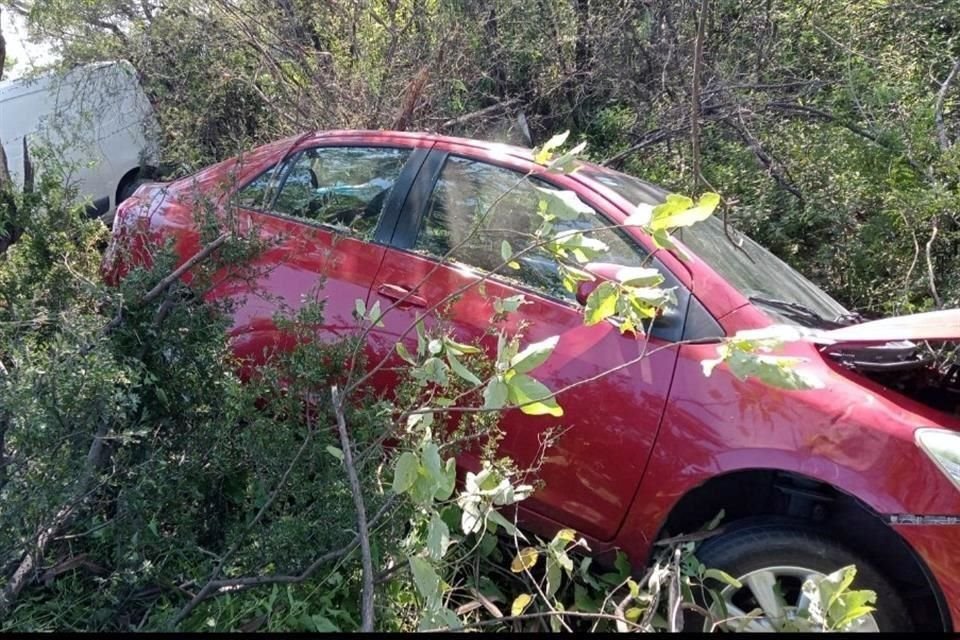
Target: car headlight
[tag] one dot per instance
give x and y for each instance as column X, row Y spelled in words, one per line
column 943, row 447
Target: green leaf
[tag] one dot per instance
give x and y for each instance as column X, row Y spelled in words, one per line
column 582, row 600
column 461, row 370
column 421, row 338
column 835, row 584
column 534, row 355
column 446, row 486
column 556, row 624
column 543, row 154
column 554, row 577
column 426, row 578
column 565, row 162
column 678, row 211
column 507, row 305
column 577, row 243
column 563, row 204
column 641, row 216
column 487, row 544
column 722, row 576
column 495, row 394
column 374, row 314
column 525, row 559
column 622, row 565
column 662, row 239
column 776, row 371
column 565, row 536
column 506, row 251
column 532, row 396
column 403, row 353
column 432, row 370
column 470, row 518
column 405, row 473
column 601, row 303
column 431, row 461
column 438, row 537
column 520, row 604
column 639, row 276
column 459, row 348
column 497, row 518
column 335, row 452
column 360, row 307
column 852, row 615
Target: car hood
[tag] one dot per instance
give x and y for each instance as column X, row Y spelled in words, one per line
column 932, row 325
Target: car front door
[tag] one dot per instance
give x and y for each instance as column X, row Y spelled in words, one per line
column 593, row 457
column 322, row 215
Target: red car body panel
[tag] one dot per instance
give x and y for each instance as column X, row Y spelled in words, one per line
column 640, row 439
column 937, row 545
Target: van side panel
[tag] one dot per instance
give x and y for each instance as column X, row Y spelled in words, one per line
column 95, row 119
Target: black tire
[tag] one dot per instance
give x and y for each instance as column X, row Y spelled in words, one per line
column 741, row 551
column 128, row 186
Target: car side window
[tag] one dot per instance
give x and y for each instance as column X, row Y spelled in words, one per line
column 475, row 206
column 343, row 187
column 257, row 194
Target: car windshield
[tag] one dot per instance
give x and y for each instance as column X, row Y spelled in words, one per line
column 753, row 270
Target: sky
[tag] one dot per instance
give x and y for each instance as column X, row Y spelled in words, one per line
column 25, row 54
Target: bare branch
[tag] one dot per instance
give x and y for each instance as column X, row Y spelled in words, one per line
column 176, row 274
column 930, row 274
column 480, row 113
column 363, row 532
column 695, row 95
column 938, row 107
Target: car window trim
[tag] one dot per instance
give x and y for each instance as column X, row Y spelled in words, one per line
column 415, row 210
column 391, row 211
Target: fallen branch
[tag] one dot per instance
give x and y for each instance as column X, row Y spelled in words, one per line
column 96, row 457
column 26, row 570
column 169, row 280
column 215, row 587
column 480, row 113
column 177, row 273
column 363, row 532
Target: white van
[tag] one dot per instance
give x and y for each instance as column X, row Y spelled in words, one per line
column 95, row 118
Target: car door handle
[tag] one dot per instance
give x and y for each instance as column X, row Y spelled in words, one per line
column 403, row 296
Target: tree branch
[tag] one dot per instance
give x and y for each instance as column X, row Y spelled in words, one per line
column 363, row 532
column 695, row 95
column 938, row 107
column 930, row 274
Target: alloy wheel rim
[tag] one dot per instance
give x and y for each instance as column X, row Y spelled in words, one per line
column 759, row 591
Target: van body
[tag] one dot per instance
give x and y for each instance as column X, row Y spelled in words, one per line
column 95, row 119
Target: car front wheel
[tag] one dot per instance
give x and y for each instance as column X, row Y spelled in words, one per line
column 772, row 562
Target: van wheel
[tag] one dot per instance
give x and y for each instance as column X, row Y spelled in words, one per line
column 128, row 186
column 773, row 560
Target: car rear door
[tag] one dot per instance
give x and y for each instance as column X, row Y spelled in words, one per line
column 324, row 215
column 599, row 448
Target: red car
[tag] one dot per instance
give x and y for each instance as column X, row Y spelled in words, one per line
column 865, row 470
